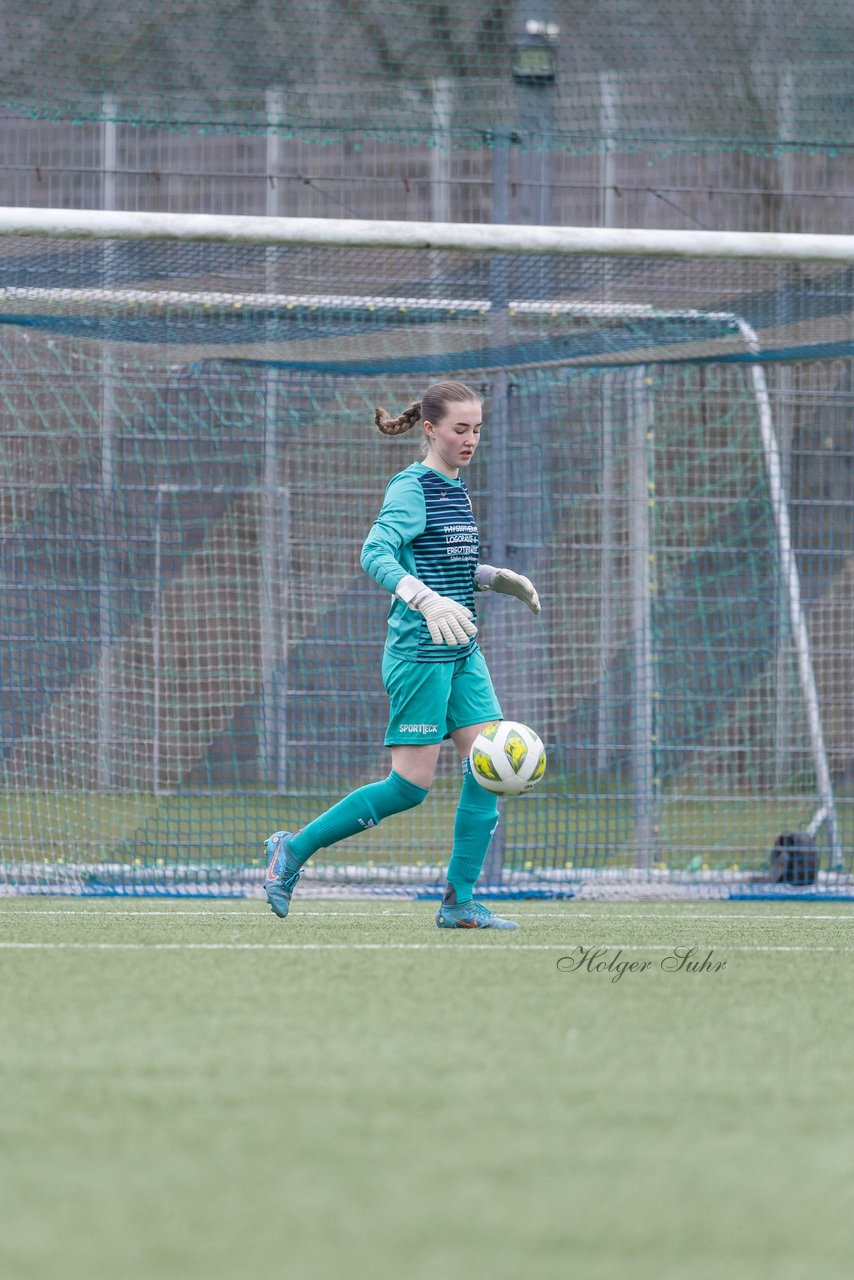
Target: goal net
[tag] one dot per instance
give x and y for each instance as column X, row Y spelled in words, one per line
column 190, row 654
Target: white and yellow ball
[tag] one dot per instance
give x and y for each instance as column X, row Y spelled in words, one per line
column 507, row 757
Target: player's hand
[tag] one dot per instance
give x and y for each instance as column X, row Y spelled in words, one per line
column 508, row 583
column 447, row 621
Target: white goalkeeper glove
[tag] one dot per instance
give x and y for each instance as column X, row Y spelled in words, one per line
column 448, row 622
column 507, row 583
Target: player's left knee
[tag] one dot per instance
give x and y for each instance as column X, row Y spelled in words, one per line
column 413, row 800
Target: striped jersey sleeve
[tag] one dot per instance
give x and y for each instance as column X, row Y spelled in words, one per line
column 401, row 520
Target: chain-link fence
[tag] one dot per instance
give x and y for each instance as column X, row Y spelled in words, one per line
column 731, row 115
column 118, row 165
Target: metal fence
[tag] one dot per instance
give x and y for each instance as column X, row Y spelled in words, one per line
column 122, row 166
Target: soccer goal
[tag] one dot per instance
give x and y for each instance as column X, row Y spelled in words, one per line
column 190, row 654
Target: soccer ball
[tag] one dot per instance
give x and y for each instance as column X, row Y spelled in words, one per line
column 507, row 758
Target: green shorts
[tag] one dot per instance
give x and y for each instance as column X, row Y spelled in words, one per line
column 429, row 700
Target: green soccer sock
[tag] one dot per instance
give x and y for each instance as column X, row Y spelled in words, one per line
column 474, row 827
column 357, row 812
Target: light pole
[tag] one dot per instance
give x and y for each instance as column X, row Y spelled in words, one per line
column 527, row 139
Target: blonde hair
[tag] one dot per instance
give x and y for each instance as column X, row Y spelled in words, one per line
column 431, row 407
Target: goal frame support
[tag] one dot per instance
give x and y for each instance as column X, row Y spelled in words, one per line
column 496, row 238
column 364, row 233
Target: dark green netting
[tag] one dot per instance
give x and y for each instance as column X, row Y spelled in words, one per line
column 189, row 650
column 405, row 312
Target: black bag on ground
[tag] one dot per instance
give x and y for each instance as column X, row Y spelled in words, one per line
column 794, row 859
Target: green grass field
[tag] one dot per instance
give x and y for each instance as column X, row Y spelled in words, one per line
column 196, row 1090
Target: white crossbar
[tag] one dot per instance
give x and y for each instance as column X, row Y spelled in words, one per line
column 89, row 224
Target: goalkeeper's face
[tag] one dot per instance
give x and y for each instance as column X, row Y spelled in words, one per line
column 453, row 439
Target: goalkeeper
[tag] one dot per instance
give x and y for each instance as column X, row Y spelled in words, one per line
column 423, row 548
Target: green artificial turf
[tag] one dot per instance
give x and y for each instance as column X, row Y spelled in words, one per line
column 194, row 1089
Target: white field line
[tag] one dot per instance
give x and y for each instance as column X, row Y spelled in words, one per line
column 250, row 912
column 436, row 946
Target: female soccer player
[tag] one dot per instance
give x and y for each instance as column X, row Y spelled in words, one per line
column 423, row 549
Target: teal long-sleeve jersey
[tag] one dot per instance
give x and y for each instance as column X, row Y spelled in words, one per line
column 425, row 527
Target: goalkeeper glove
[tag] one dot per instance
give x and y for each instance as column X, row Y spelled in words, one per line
column 507, row 583
column 448, row 622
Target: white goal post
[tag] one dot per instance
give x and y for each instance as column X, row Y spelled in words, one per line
column 272, row 232
column 365, row 233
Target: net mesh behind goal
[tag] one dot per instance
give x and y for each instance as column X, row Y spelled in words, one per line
column 190, row 654
column 659, row 76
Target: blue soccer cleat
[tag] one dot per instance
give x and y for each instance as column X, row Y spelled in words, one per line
column 283, row 871
column 470, row 915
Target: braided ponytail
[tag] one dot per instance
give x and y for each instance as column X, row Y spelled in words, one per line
column 431, row 407
column 403, row 422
